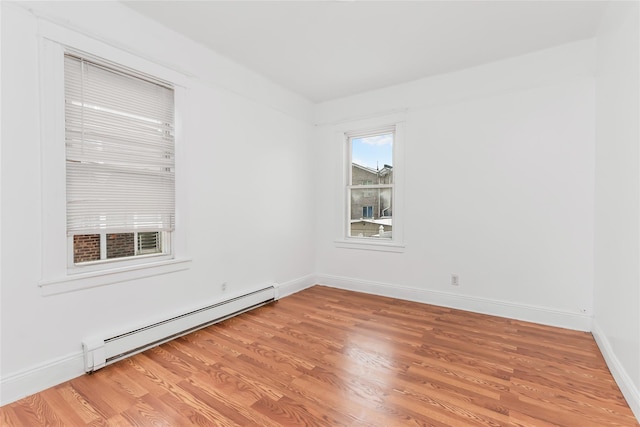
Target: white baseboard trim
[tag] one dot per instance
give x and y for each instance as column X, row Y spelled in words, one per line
column 545, row 316
column 630, row 392
column 41, row 377
column 295, row 285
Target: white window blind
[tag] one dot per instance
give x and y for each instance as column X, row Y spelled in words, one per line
column 120, row 156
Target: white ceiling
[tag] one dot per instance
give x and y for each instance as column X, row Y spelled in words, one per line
column 324, row 50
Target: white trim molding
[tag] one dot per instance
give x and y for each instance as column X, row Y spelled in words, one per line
column 41, row 377
column 528, row 313
column 296, row 285
column 94, row 279
column 350, row 243
column 629, row 390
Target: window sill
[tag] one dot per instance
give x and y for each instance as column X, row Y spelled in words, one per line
column 367, row 245
column 94, row 279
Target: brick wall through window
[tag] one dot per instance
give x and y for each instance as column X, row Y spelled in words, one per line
column 86, row 247
column 120, row 245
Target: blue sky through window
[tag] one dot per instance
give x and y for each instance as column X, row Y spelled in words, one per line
column 373, row 151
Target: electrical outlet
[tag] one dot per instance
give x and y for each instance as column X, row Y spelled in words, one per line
column 455, row 280
column 224, row 286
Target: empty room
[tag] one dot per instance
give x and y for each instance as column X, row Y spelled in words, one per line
column 320, row 213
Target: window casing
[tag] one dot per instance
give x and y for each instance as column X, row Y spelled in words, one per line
column 59, row 273
column 381, row 186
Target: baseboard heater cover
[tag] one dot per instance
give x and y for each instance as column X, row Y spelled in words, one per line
column 100, row 351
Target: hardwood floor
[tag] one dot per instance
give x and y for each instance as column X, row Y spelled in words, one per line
column 328, row 357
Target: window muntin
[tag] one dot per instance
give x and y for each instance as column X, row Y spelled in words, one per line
column 120, row 162
column 370, row 184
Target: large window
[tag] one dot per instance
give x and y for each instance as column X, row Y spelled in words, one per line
column 120, row 162
column 370, row 184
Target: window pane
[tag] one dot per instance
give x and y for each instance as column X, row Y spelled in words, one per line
column 120, row 245
column 372, row 160
column 86, row 247
column 371, row 203
column 370, row 210
column 385, row 203
column 149, row 243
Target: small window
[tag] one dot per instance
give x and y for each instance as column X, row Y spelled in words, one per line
column 370, row 164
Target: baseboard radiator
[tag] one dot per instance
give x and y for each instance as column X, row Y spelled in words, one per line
column 102, row 351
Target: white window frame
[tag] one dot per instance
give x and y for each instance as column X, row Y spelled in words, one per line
column 59, row 273
column 343, row 132
column 167, row 252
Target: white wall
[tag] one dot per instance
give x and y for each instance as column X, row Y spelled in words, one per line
column 617, row 197
column 249, row 209
column 499, row 163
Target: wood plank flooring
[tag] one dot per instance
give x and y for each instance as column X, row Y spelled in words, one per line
column 328, row 357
